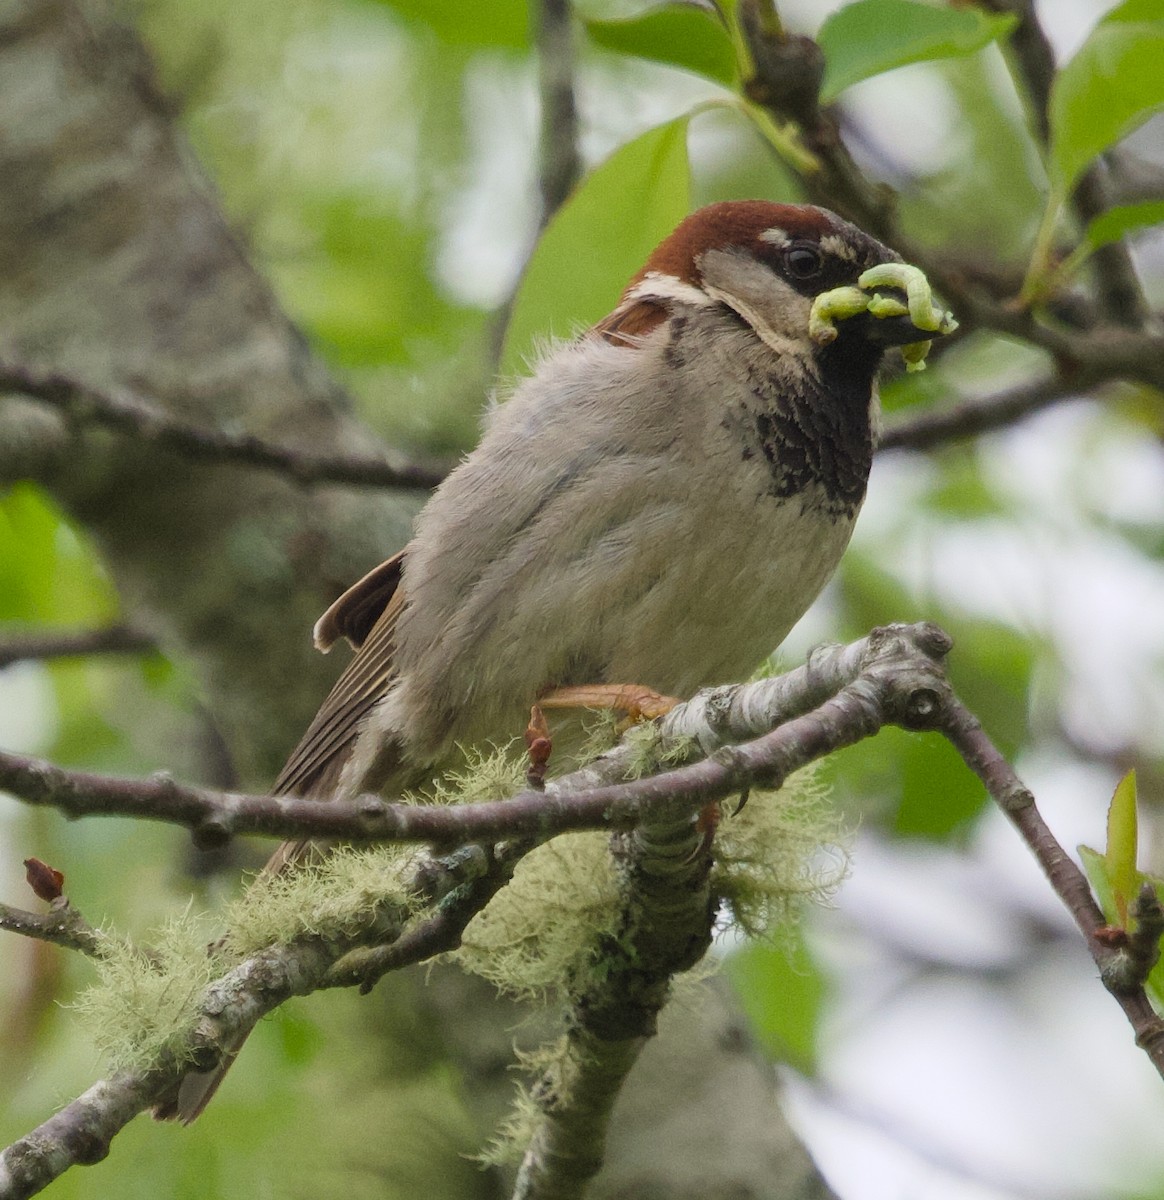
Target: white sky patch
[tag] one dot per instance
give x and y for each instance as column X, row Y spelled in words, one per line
column 489, row 222
column 28, row 708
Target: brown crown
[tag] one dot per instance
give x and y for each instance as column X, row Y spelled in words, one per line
column 731, row 223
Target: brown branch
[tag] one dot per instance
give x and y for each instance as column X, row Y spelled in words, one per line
column 788, row 70
column 559, row 161
column 129, row 413
column 923, row 430
column 965, row 733
column 63, row 925
column 1034, row 58
column 79, row 643
column 581, row 801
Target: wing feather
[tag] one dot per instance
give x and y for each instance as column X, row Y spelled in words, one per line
column 333, row 730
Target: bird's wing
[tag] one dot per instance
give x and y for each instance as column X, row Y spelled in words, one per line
column 366, row 614
column 631, row 321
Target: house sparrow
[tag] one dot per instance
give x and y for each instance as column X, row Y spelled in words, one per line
column 657, row 504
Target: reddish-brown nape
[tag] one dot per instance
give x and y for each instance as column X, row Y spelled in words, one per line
column 730, row 223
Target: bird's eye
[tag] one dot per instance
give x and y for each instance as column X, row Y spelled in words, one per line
column 803, row 262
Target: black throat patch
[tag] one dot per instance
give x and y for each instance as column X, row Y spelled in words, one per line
column 815, row 429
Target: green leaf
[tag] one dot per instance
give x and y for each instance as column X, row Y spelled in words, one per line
column 1116, row 222
column 781, row 991
column 1113, row 874
column 1095, row 867
column 1137, row 10
column 486, row 23
column 48, row 572
column 598, row 239
column 684, row 35
column 1121, row 844
column 873, row 36
column 1112, row 85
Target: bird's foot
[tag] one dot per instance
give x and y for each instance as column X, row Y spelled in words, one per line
column 637, row 702
column 538, row 744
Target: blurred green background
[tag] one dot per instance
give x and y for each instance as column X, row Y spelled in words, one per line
column 941, row 1028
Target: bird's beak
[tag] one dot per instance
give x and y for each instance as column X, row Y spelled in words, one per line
column 890, row 331
column 892, row 305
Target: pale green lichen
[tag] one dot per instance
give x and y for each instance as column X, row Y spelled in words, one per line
column 537, row 935
column 489, row 773
column 651, row 752
column 517, row 1128
column 145, row 1003
column 782, row 850
column 333, row 899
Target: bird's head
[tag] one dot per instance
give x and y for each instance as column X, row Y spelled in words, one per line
column 799, row 277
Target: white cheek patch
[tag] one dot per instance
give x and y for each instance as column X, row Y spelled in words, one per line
column 781, row 343
column 657, row 286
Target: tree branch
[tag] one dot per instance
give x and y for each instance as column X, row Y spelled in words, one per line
column 127, row 412
column 1118, row 286
column 923, row 430
column 965, row 733
column 559, row 163
column 809, row 726
column 63, row 925
column 665, row 927
column 843, row 694
column 113, row 639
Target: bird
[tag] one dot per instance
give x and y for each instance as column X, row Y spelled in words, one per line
column 657, row 503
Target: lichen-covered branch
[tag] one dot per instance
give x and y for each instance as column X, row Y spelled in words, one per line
column 809, row 708
column 665, row 928
column 662, row 851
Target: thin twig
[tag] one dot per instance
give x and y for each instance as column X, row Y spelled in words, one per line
column 1034, row 57
column 78, row 643
column 923, row 430
column 129, row 413
column 559, row 163
column 967, row 736
column 63, row 925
